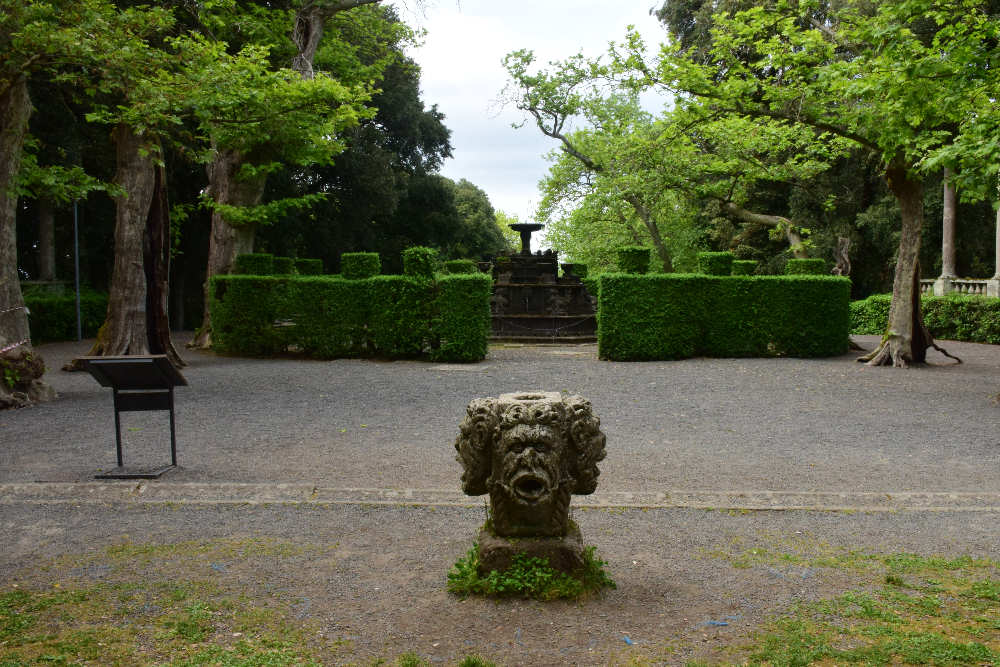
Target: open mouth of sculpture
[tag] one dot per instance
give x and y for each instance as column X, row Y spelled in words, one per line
column 530, row 487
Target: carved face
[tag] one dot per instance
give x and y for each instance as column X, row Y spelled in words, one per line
column 528, row 462
column 530, row 452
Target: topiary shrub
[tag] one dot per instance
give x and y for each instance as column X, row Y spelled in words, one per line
column 360, row 265
column 309, row 267
column 284, row 266
column 52, row 315
column 460, row 266
column 715, row 263
column 816, row 267
column 419, row 262
column 633, row 259
column 676, row 316
column 254, row 264
column 744, row 267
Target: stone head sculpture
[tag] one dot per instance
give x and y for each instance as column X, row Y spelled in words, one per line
column 530, row 451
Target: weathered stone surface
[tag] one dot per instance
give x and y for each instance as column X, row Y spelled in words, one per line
column 530, row 451
column 563, row 553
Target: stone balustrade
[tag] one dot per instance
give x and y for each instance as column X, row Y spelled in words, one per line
column 974, row 286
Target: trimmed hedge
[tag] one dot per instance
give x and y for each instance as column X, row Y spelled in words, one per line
column 461, row 324
column 744, row 267
column 52, row 315
column 580, row 271
column 309, row 267
column 244, row 310
column 715, row 263
column 419, row 262
column 633, row 259
column 360, row 265
column 284, row 266
column 330, row 317
column 254, row 264
column 460, row 266
column 676, row 316
column 811, row 266
column 962, row 317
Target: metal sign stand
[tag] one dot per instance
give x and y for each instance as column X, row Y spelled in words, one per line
column 140, row 383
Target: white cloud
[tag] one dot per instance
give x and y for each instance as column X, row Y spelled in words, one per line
column 462, row 72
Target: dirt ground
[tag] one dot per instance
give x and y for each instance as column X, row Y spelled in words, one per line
column 328, row 492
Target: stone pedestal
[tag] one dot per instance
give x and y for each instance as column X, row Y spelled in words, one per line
column 563, row 553
column 943, row 285
column 993, row 287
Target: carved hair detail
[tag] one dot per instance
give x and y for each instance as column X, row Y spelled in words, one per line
column 479, row 430
column 588, row 443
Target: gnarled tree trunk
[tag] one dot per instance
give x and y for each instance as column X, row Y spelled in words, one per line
column 906, row 338
column 136, row 322
column 226, row 240
column 21, row 368
column 776, row 221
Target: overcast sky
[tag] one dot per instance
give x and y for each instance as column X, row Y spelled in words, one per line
column 462, row 73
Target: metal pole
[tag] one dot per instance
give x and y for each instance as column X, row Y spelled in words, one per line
column 76, row 258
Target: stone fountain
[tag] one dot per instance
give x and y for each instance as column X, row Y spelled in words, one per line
column 530, row 451
column 532, row 303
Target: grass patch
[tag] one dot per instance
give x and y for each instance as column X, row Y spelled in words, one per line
column 528, row 577
column 154, row 624
column 916, row 610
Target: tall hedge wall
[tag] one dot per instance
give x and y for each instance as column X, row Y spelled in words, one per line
column 675, row 316
column 329, row 316
column 974, row 319
column 461, row 317
column 52, row 315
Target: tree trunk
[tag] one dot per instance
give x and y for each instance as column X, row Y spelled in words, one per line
column 46, row 240
column 20, row 368
column 654, row 232
column 906, row 338
column 137, row 299
column 308, row 29
column 950, row 204
column 226, row 240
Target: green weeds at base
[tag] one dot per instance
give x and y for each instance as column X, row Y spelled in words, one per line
column 528, row 577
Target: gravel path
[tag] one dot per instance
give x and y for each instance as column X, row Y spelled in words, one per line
column 357, row 457
column 699, row 425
